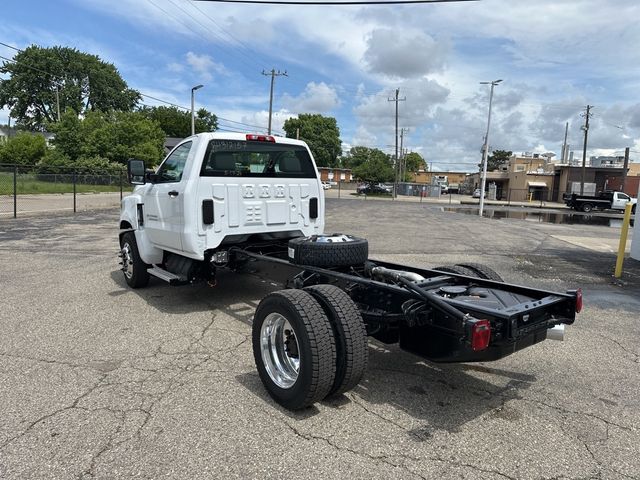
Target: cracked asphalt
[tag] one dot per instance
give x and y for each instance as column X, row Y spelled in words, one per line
column 99, row 381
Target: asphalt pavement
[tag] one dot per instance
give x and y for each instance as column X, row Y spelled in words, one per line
column 100, row 381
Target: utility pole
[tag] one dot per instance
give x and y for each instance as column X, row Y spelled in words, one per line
column 402, row 173
column 564, row 145
column 586, row 116
column 396, row 99
column 273, row 73
column 485, row 152
column 624, row 168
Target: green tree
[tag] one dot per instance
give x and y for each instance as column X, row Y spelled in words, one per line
column 23, row 149
column 114, row 136
column 321, row 134
column 370, row 164
column 413, row 162
column 496, row 159
column 84, row 83
column 177, row 123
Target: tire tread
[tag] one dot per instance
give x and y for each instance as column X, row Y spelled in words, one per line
column 352, row 346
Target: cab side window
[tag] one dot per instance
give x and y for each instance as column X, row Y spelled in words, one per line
column 171, row 169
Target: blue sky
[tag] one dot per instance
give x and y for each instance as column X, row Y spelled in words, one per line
column 555, row 57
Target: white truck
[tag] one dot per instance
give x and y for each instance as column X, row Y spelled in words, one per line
column 254, row 204
column 604, row 200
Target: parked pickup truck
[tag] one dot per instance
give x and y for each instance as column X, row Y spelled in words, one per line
column 604, row 200
column 254, row 204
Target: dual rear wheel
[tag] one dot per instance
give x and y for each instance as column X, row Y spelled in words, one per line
column 308, row 344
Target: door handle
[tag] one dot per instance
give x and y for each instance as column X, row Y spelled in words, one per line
column 173, row 193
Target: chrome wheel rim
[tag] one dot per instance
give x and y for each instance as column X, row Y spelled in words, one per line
column 127, row 260
column 280, row 350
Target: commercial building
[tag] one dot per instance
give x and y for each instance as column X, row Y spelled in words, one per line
column 534, row 177
column 335, row 175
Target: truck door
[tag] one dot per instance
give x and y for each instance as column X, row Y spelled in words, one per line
column 164, row 201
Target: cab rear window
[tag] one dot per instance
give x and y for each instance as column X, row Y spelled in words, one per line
column 237, row 158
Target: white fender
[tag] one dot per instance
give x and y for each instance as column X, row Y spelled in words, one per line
column 129, row 213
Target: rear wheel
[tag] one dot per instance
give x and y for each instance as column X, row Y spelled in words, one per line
column 587, row 207
column 350, row 334
column 294, row 348
column 482, row 271
column 134, row 269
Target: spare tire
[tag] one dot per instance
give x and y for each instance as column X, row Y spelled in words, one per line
column 335, row 250
column 458, row 269
column 482, row 271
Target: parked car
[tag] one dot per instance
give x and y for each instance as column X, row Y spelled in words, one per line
column 326, row 185
column 369, row 188
column 476, row 193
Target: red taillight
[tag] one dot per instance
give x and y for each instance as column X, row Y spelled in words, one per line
column 260, row 138
column 480, row 335
column 578, row 300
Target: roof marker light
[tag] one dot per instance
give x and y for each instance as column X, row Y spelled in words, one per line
column 260, row 138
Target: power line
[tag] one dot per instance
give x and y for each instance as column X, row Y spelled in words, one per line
column 188, row 27
column 208, row 30
column 229, row 34
column 11, row 47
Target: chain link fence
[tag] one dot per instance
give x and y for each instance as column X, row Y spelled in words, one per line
column 27, row 190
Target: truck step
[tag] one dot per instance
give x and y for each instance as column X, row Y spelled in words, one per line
column 170, row 278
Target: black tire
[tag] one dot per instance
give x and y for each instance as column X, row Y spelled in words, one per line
column 457, row 269
column 335, row 250
column 352, row 347
column 135, row 274
column 633, row 209
column 482, row 271
column 314, row 342
column 587, row 207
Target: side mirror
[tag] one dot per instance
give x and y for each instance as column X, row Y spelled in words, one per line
column 136, row 172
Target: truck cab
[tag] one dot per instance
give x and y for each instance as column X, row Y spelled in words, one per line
column 218, row 189
column 619, row 200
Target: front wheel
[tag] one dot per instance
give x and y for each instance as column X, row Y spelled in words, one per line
column 294, row 348
column 134, row 269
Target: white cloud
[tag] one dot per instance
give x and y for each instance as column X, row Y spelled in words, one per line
column 175, row 67
column 404, row 53
column 420, row 97
column 205, row 66
column 316, row 98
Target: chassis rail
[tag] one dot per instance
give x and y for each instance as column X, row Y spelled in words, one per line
column 411, row 306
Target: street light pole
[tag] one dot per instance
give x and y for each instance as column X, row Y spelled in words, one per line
column 193, row 113
column 485, row 149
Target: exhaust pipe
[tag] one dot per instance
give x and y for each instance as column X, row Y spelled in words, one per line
column 556, row 333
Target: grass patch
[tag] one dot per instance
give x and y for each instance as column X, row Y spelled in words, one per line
column 28, row 184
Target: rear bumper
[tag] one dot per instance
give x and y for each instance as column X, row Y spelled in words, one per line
column 448, row 349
